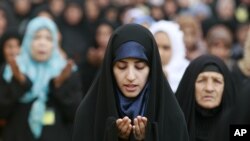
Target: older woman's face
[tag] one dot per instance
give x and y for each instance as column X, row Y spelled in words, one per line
column 209, row 88
column 131, row 76
column 42, row 45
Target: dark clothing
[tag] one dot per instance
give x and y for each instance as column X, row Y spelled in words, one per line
column 238, row 77
column 202, row 122
column 96, row 116
column 239, row 115
column 63, row 101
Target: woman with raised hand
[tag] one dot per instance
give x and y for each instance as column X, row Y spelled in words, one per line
column 42, row 91
column 130, row 98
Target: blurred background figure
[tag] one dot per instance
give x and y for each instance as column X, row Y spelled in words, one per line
column 96, row 53
column 193, row 38
column 40, row 90
column 22, row 10
column 7, row 19
column 9, row 48
column 74, row 31
column 240, row 37
column 219, row 43
column 241, row 69
column 170, row 42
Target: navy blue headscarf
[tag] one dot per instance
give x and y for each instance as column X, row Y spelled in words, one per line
column 131, row 107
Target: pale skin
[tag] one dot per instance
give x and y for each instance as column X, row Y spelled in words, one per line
column 209, row 88
column 131, row 76
column 41, row 52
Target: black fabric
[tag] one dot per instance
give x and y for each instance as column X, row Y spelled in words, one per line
column 8, row 34
column 63, row 100
column 238, row 115
column 96, row 116
column 211, row 67
column 200, row 122
column 239, row 78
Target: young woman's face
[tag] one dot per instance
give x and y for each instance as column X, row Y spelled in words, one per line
column 42, row 45
column 164, row 47
column 209, row 88
column 131, row 76
column 11, row 49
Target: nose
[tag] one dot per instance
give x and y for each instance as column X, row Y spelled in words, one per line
column 209, row 87
column 131, row 74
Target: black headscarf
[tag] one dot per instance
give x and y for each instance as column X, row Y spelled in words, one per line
column 201, row 122
column 10, row 33
column 96, row 116
column 238, row 115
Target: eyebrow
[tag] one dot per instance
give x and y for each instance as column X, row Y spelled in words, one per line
column 138, row 61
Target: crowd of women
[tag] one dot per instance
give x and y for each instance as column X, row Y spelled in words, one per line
column 123, row 70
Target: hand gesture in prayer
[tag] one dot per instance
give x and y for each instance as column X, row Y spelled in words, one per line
column 18, row 75
column 64, row 74
column 124, row 127
column 139, row 127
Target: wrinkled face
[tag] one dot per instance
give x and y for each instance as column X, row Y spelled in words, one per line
column 42, row 45
column 131, row 76
column 11, row 49
column 220, row 50
column 164, row 47
column 209, row 88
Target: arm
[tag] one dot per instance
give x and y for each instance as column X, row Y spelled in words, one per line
column 68, row 95
column 10, row 93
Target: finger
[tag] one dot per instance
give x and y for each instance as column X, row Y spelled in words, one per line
column 127, row 133
column 137, row 129
column 141, row 126
column 145, row 120
column 126, row 125
column 118, row 122
column 121, row 125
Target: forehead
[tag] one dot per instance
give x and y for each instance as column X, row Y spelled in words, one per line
column 210, row 74
column 132, row 60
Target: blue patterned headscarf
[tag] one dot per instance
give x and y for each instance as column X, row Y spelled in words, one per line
column 40, row 73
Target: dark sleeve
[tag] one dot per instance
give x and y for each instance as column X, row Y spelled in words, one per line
column 111, row 132
column 10, row 93
column 68, row 96
column 152, row 132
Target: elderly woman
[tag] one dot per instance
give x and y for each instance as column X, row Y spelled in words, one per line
column 41, row 89
column 204, row 94
column 130, row 98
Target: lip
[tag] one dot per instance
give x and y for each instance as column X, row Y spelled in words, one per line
column 130, row 87
column 42, row 52
column 208, row 98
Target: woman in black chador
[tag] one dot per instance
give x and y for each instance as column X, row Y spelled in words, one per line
column 205, row 93
column 130, row 98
